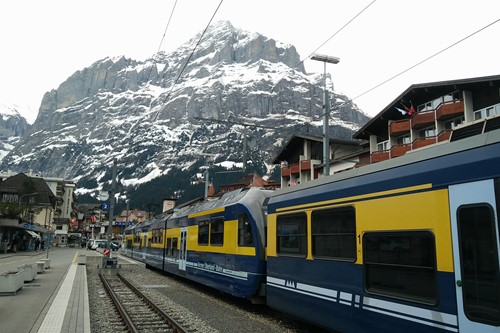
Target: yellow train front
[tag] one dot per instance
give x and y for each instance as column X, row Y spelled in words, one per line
column 219, row 243
column 406, row 245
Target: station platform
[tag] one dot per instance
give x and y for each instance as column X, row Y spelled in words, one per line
column 56, row 300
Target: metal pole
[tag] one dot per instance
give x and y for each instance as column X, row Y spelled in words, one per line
column 111, row 207
column 206, row 184
column 244, row 148
column 326, row 139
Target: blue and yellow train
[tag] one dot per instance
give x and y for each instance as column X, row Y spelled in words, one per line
column 405, row 245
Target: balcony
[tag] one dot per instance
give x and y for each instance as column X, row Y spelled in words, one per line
column 305, row 165
column 450, row 110
column 422, row 142
column 423, row 119
column 444, row 135
column 399, row 127
column 399, row 150
column 285, row 172
column 378, row 156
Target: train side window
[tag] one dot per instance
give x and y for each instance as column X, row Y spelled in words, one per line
column 217, row 231
column 292, row 234
column 203, row 227
column 169, row 247
column 401, row 264
column 334, row 233
column 245, row 237
column 174, row 247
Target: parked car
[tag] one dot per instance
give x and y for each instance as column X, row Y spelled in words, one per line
column 96, row 243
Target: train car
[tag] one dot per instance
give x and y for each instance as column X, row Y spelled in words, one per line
column 128, row 238
column 220, row 243
column 405, row 245
column 154, row 251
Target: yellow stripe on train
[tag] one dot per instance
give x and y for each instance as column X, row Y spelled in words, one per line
column 427, row 210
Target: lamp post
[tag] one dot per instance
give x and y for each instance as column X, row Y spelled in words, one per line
column 326, row 111
column 25, row 195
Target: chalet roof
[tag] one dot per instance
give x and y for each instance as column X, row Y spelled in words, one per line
column 418, row 94
column 22, row 184
column 295, row 143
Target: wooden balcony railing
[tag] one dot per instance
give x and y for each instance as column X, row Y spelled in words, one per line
column 422, row 119
column 399, row 127
column 449, row 110
column 399, row 150
column 378, row 156
column 422, row 142
column 444, row 135
column 305, row 165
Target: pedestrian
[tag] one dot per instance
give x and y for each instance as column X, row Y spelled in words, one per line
column 37, row 244
column 89, row 245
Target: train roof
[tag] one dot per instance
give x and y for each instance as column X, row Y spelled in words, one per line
column 229, row 198
column 411, row 157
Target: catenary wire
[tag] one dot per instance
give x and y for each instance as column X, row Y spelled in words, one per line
column 191, row 55
column 426, row 59
column 329, row 38
column 162, row 39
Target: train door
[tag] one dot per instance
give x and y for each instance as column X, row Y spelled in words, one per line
column 183, row 250
column 475, row 233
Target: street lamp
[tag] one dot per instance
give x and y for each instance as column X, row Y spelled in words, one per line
column 326, row 111
column 25, row 195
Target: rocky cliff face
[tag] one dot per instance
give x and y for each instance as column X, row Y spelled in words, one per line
column 146, row 114
column 12, row 127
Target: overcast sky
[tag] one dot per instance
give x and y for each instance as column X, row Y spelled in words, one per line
column 44, row 42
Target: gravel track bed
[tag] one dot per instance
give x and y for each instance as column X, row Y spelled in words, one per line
column 201, row 309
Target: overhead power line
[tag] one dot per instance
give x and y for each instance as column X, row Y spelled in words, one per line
column 426, row 59
column 190, row 56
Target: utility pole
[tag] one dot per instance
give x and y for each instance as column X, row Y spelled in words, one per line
column 326, row 111
column 111, row 207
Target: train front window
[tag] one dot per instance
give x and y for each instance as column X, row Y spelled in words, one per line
column 479, row 263
column 292, row 234
column 334, row 233
column 401, row 264
column 245, row 237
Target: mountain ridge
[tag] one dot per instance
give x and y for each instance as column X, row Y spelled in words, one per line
column 143, row 113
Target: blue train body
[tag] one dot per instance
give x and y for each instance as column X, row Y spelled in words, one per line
column 406, row 245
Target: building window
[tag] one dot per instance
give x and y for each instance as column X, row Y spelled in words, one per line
column 401, row 264
column 427, row 132
column 334, row 233
column 451, row 124
column 292, row 234
column 403, row 140
column 382, row 146
column 487, row 112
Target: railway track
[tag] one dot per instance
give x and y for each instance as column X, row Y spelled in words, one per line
column 138, row 313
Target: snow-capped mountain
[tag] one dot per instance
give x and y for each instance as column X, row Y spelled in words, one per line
column 12, row 127
column 146, row 114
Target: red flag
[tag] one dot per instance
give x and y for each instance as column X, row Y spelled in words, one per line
column 410, row 110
